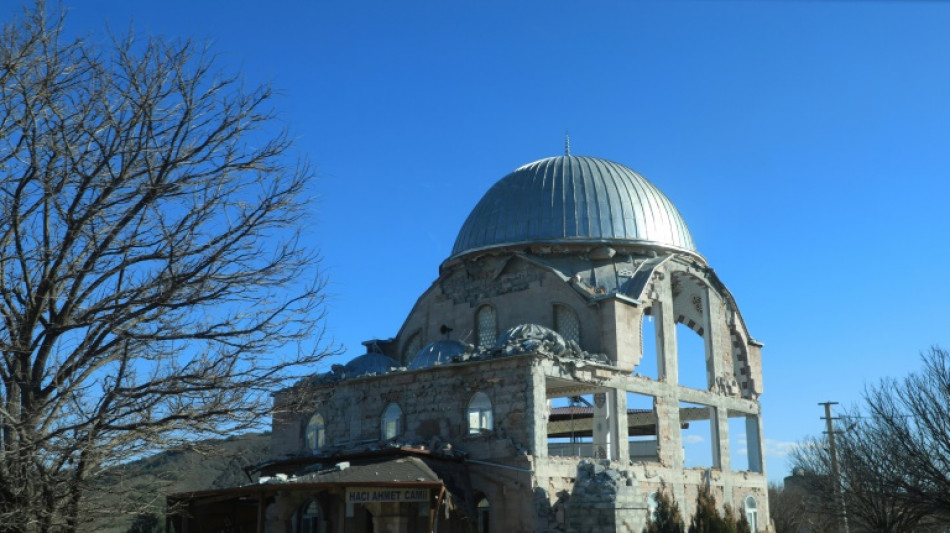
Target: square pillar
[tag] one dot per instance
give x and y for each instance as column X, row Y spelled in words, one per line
column 719, row 429
column 666, row 349
column 606, row 425
column 620, row 332
column 537, row 408
column 753, row 432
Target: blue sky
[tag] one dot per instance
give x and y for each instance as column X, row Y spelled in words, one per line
column 805, row 143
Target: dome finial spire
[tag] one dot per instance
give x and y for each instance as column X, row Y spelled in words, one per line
column 567, row 143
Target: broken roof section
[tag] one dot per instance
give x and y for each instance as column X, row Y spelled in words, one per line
column 400, row 470
column 439, row 353
column 524, row 339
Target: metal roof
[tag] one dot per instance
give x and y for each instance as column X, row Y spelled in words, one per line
column 393, row 471
column 573, row 199
column 369, row 363
column 437, row 353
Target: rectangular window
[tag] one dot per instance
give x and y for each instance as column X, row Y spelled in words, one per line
column 744, row 447
column 567, row 324
column 699, row 436
column 486, row 326
column 570, row 426
column 641, row 428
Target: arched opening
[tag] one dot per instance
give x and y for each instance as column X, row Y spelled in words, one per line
column 483, row 510
column 310, row 518
column 316, row 433
column 486, row 326
column 752, row 513
column 691, row 313
column 691, row 363
column 566, row 323
column 391, row 424
column 479, row 414
column 653, row 501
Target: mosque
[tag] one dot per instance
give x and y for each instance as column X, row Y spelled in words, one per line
column 575, row 356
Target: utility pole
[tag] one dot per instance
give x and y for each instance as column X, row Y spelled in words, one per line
column 835, row 471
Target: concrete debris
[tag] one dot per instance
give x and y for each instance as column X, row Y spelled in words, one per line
column 520, row 340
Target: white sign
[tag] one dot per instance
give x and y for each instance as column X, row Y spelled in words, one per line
column 386, row 495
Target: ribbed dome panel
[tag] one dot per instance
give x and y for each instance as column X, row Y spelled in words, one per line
column 573, row 199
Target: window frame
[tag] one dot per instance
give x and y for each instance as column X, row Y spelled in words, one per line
column 751, row 512
column 479, row 333
column 315, row 437
column 483, row 514
column 386, row 418
column 486, row 408
column 653, row 503
column 315, row 521
column 567, row 311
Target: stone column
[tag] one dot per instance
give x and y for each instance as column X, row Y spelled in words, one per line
column 606, row 425
column 537, row 411
column 713, row 326
column 719, row 437
column 753, row 432
column 724, row 449
column 620, row 332
column 669, row 439
column 623, row 438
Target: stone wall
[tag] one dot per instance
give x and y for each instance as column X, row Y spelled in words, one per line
column 521, row 292
column 605, row 498
column 590, row 495
column 527, row 490
column 434, row 404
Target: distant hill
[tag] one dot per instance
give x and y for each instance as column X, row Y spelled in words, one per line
column 142, row 485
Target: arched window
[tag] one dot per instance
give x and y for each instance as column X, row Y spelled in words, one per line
column 486, row 326
column 653, row 501
column 566, row 323
column 752, row 513
column 483, row 509
column 392, row 421
column 309, row 518
column 479, row 414
column 316, row 434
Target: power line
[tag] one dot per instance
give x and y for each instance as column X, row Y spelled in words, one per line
column 835, row 472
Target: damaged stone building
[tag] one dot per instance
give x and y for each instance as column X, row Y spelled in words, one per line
column 572, row 355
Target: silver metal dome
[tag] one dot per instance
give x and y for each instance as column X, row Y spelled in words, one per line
column 571, row 199
column 437, row 353
column 369, row 363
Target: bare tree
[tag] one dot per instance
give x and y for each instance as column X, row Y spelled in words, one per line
column 786, row 509
column 913, row 416
column 154, row 288
column 894, row 454
column 867, row 469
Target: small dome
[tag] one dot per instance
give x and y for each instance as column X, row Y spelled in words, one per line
column 570, row 199
column 369, row 363
column 437, row 353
